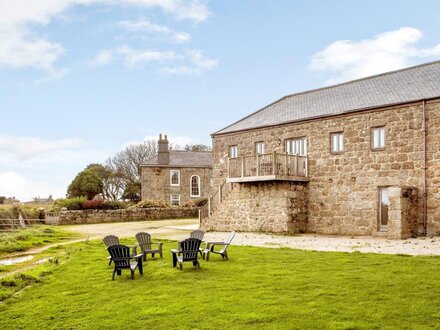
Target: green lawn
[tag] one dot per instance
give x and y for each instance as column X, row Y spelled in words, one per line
column 257, row 288
column 25, row 239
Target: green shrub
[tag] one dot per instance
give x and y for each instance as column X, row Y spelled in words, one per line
column 149, row 203
column 80, row 203
column 114, row 205
column 29, row 212
column 75, row 203
column 7, row 212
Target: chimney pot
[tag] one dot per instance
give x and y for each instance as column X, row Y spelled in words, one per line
column 163, row 153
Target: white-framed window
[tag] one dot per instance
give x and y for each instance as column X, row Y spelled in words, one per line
column 297, row 146
column 174, row 177
column 194, row 186
column 233, row 151
column 337, row 142
column 378, row 138
column 259, row 148
column 175, row 199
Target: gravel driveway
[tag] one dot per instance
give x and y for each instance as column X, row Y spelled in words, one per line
column 179, row 229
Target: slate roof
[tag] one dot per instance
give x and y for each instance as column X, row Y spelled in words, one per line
column 184, row 159
column 396, row 87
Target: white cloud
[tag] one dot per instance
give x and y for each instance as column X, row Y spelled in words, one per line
column 196, row 63
column 32, row 166
column 143, row 25
column 132, row 57
column 346, row 59
column 24, row 147
column 25, row 189
column 21, row 48
column 190, row 62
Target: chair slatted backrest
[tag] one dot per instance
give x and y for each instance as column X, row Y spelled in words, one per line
column 228, row 241
column 120, row 255
column 197, row 234
column 190, row 248
column 111, row 240
column 144, row 240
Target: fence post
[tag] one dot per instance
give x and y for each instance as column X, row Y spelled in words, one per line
column 285, row 164
column 228, row 168
column 242, row 166
column 274, row 163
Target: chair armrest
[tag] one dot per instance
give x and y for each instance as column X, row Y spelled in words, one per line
column 138, row 256
column 175, row 251
column 209, row 244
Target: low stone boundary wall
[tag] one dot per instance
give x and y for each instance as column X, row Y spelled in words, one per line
column 123, row 215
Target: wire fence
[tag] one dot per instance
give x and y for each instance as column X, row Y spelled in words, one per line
column 10, row 225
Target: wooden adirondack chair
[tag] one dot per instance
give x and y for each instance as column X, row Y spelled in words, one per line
column 197, row 234
column 223, row 252
column 123, row 260
column 146, row 245
column 188, row 251
column 110, row 240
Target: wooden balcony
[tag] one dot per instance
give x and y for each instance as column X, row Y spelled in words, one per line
column 268, row 167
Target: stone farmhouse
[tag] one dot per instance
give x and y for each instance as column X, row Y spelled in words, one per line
column 357, row 158
column 175, row 176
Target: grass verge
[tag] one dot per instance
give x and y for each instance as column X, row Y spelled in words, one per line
column 25, row 239
column 257, row 287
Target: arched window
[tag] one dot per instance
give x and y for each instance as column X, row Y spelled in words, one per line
column 194, row 186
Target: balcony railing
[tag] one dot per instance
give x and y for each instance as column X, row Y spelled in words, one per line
column 275, row 166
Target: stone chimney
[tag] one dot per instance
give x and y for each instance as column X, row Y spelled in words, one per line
column 163, row 151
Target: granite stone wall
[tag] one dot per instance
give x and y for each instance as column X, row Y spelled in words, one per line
column 262, row 207
column 124, row 215
column 343, row 188
column 402, row 222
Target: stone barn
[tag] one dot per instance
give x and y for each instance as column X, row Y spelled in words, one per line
column 357, row 158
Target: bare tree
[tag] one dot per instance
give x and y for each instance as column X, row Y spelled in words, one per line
column 197, row 147
column 125, row 164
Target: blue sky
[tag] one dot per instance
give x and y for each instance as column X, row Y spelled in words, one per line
column 81, row 79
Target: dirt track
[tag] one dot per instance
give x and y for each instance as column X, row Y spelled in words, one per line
column 179, row 229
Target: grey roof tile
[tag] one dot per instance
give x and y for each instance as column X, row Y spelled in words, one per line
column 184, row 159
column 402, row 86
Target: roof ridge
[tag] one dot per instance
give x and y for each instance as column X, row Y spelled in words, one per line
column 328, row 87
